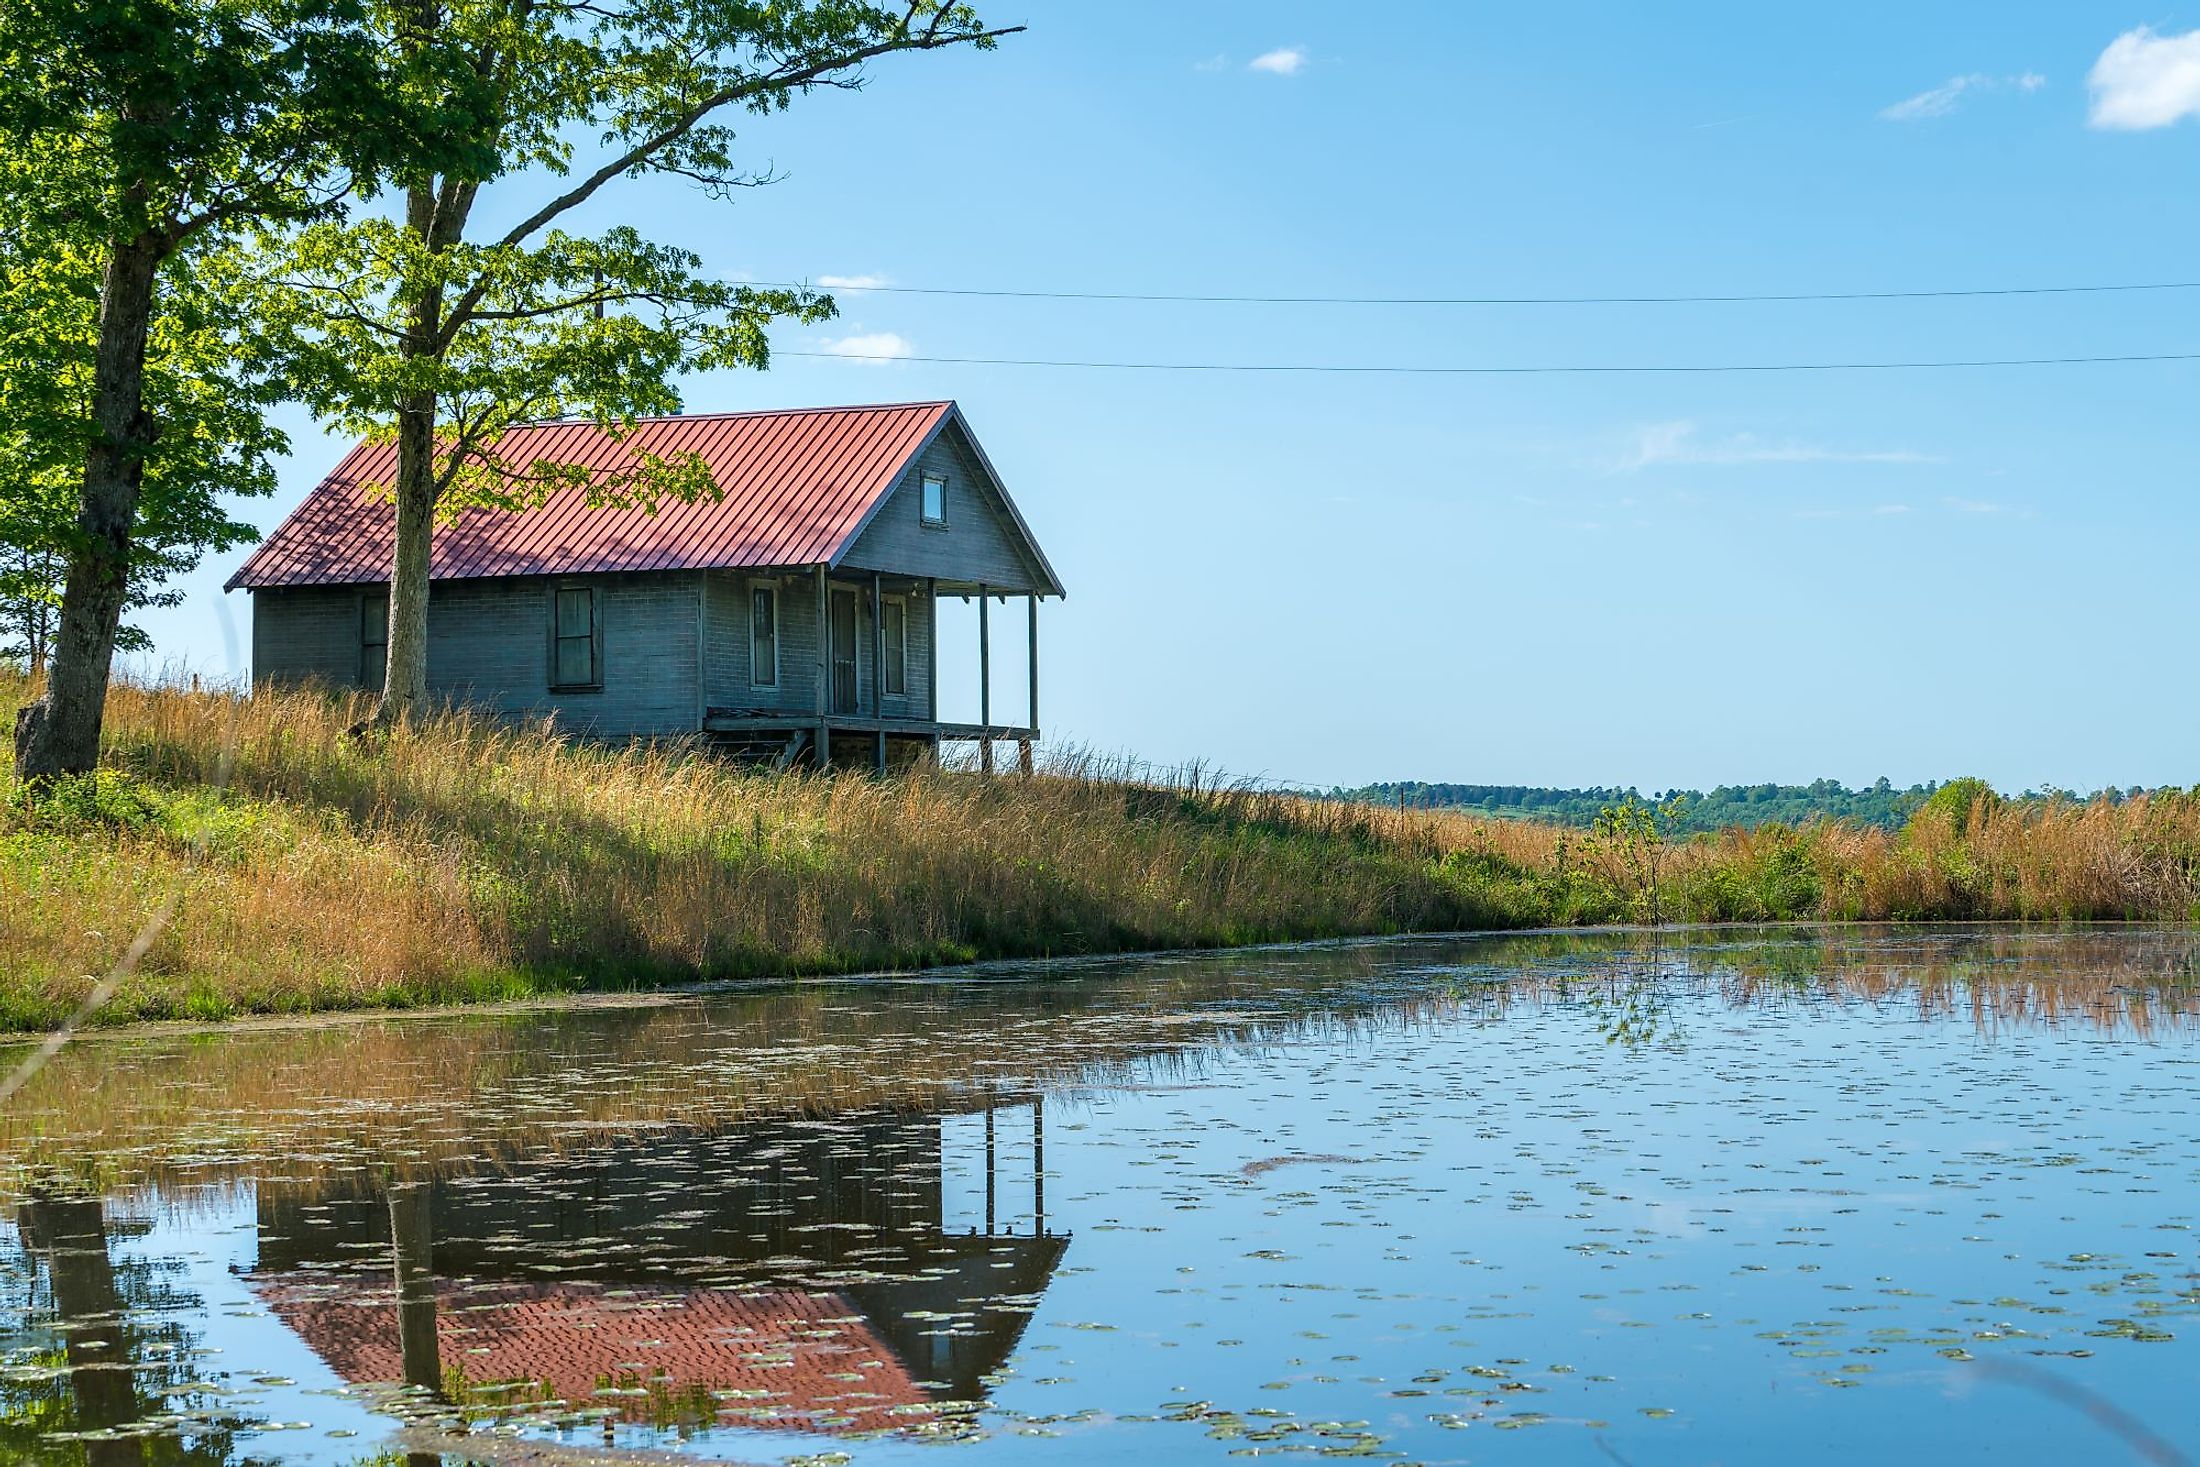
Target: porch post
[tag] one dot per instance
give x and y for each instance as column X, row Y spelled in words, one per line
column 932, row 648
column 878, row 665
column 985, row 685
column 824, row 672
column 1031, row 611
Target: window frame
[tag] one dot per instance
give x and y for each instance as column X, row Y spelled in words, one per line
column 380, row 676
column 594, row 637
column 894, row 674
column 929, row 521
column 771, row 589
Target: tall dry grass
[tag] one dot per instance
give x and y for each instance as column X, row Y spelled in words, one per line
column 464, row 858
column 467, row 858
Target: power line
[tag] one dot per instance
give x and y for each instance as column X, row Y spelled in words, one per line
column 1193, row 298
column 1383, row 369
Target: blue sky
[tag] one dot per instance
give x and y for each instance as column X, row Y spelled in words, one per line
column 1659, row 580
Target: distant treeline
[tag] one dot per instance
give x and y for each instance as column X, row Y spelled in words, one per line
column 1880, row 804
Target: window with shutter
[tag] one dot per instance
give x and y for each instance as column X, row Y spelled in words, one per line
column 574, row 653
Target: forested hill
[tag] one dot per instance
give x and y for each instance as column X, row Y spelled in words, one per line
column 1879, row 804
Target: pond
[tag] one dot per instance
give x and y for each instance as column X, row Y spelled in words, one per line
column 1696, row 1197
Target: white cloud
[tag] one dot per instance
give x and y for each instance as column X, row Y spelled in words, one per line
column 853, row 282
column 1216, row 62
column 1890, row 509
column 1938, row 102
column 874, row 348
column 1283, row 61
column 2144, row 80
column 1976, row 506
column 1944, row 99
column 1680, row 443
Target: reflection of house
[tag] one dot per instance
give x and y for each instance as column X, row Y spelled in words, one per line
column 798, row 1274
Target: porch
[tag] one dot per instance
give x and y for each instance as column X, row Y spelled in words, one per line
column 795, row 738
column 872, row 697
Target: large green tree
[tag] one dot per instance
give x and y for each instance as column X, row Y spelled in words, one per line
column 138, row 129
column 422, row 327
column 206, row 385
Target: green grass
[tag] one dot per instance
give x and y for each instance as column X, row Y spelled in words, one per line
column 463, row 861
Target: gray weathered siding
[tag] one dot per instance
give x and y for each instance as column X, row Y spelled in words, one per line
column 307, row 634
column 979, row 545
column 489, row 645
column 731, row 685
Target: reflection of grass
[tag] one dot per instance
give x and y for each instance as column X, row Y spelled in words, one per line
column 458, row 1093
column 466, row 860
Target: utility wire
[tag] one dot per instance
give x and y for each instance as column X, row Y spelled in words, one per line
column 1190, row 298
column 1620, row 369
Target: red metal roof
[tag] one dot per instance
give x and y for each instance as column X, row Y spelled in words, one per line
column 799, row 485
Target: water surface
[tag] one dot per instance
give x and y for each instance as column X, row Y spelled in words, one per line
column 1705, row 1198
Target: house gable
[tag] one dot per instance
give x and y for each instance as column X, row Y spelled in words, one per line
column 984, row 541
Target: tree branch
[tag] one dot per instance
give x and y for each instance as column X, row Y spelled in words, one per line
column 641, row 152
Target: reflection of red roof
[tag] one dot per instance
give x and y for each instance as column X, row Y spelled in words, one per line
column 779, row 1357
column 798, row 485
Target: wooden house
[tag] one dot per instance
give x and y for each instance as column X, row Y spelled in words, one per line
column 796, row 614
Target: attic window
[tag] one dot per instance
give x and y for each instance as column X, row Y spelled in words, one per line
column 934, row 505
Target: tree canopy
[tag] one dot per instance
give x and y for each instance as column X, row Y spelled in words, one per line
column 419, row 325
column 140, row 133
column 206, row 386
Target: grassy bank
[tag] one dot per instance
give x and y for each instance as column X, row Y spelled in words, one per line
column 467, row 860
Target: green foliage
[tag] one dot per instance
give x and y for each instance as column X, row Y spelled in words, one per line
column 1506, row 893
column 1744, row 807
column 208, row 384
column 1631, row 838
column 192, row 817
column 1953, row 806
column 395, row 315
column 105, row 797
column 1777, row 880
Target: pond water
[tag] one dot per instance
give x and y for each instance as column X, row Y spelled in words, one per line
column 1836, row 1195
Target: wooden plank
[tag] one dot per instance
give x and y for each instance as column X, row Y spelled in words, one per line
column 932, row 648
column 824, row 734
column 966, row 733
column 702, row 647
column 878, row 661
column 985, row 681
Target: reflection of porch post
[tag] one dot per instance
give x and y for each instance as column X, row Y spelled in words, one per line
column 412, row 1246
column 989, row 1166
column 824, row 671
column 985, row 685
column 1038, row 1166
column 878, row 663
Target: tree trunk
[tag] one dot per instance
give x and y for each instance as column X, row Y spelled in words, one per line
column 436, row 216
column 59, row 732
column 405, row 678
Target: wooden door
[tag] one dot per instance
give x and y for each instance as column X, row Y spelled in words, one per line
column 844, row 651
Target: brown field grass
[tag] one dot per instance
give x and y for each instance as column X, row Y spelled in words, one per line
column 466, row 859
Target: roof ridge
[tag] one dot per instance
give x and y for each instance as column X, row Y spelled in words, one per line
column 849, row 407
